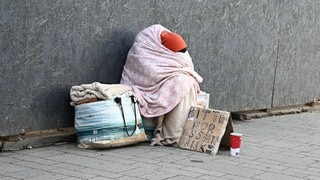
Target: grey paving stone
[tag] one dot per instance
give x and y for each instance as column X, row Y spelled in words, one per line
column 136, row 159
column 233, row 177
column 181, row 177
column 281, row 143
column 67, row 166
column 48, row 176
column 72, row 173
column 316, row 164
column 35, row 159
column 84, row 161
column 228, row 161
column 152, row 154
column 100, row 178
column 181, row 172
column 130, row 178
column 44, row 153
column 264, row 167
column 72, row 178
column 223, row 168
column 34, row 165
column 139, row 172
column 315, row 170
column 145, row 165
column 8, row 168
column 211, row 173
column 25, row 174
column 290, row 160
column 208, row 177
column 273, row 176
column 312, row 177
column 81, row 152
column 4, row 159
column 171, row 158
column 117, row 158
column 7, row 178
column 158, row 175
column 248, row 162
column 302, row 173
column 100, row 173
column 30, row 151
column 309, row 147
column 170, row 165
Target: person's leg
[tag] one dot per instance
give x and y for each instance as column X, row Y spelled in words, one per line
column 158, row 132
column 169, row 126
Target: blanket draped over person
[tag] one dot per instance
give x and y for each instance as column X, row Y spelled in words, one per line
column 159, row 77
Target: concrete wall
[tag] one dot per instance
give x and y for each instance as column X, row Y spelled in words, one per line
column 252, row 54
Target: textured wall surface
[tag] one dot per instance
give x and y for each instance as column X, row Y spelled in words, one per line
column 252, row 54
column 297, row 74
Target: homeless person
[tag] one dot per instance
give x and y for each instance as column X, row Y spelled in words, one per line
column 160, row 71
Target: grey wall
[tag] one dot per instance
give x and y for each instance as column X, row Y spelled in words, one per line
column 252, row 54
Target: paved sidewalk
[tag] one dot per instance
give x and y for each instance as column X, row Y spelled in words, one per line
column 280, row 147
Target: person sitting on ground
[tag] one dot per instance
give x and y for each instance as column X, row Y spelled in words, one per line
column 161, row 73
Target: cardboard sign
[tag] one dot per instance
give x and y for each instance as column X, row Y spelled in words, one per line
column 204, row 130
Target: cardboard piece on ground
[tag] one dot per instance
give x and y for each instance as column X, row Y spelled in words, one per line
column 205, row 130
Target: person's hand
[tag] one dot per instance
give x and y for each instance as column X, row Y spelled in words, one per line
column 201, row 103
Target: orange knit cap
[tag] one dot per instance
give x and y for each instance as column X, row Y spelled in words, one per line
column 173, row 41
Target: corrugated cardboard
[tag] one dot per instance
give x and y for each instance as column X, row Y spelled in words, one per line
column 205, row 129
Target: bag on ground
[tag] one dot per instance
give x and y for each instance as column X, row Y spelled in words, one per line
column 109, row 123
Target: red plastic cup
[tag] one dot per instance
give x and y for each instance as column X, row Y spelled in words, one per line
column 235, row 143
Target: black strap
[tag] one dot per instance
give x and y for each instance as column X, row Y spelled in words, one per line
column 118, row 101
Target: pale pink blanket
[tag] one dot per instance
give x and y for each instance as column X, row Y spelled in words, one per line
column 159, row 77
